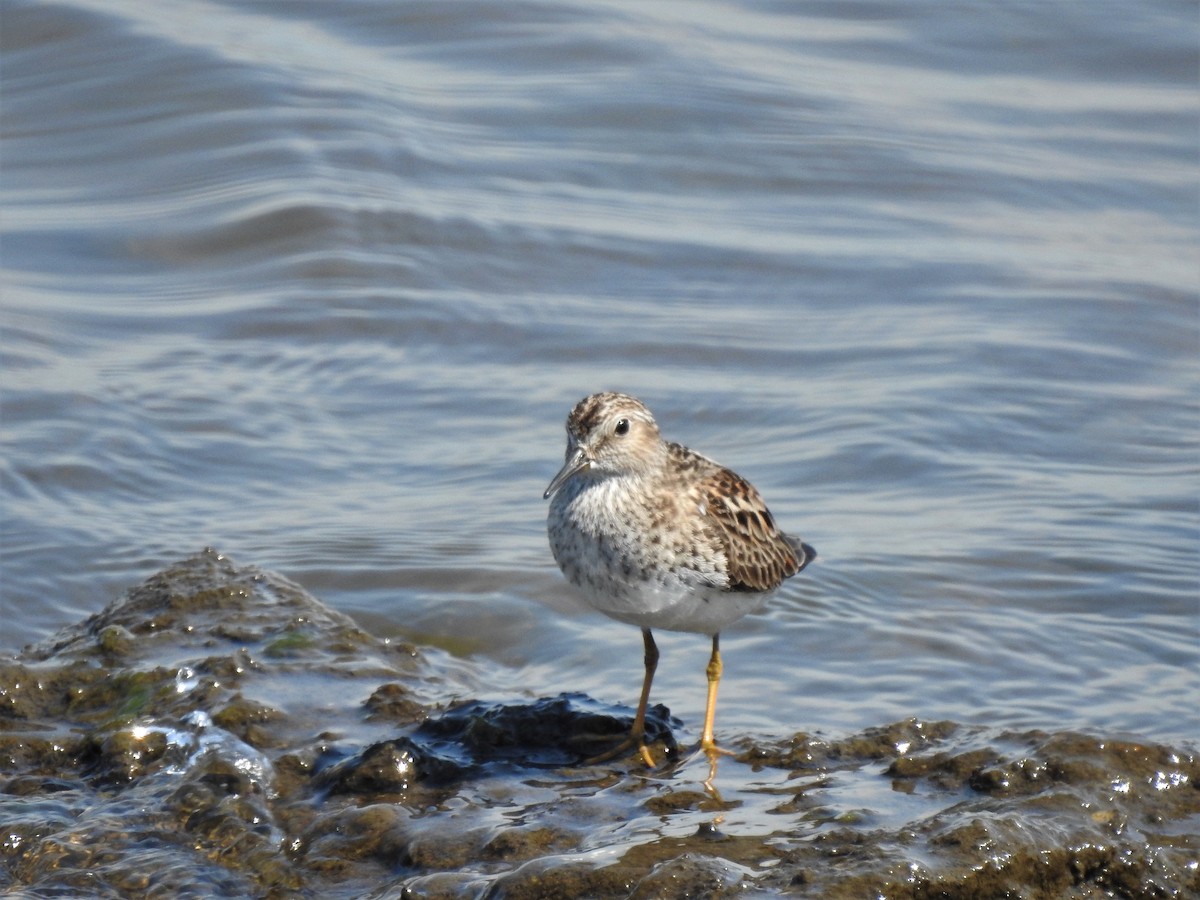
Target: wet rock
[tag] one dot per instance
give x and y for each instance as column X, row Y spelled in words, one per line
column 140, row 726
column 126, row 755
column 115, row 640
column 690, row 875
column 394, row 703
column 669, row 802
column 555, row 731
column 513, row 844
column 390, row 767
column 950, row 770
column 552, row 878
column 375, row 833
column 806, row 752
column 250, row 720
column 1030, row 814
column 206, row 602
column 43, row 756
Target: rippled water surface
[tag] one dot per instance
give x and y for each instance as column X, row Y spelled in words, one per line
column 316, row 284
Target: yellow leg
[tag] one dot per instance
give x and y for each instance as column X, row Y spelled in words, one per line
column 707, row 742
column 710, row 710
column 637, row 734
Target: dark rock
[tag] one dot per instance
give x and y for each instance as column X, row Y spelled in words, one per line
column 390, row 767
column 554, row 731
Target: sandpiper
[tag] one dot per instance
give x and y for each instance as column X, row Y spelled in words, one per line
column 656, row 535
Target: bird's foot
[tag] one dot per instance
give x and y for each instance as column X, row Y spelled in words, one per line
column 714, row 753
column 711, row 750
column 624, row 747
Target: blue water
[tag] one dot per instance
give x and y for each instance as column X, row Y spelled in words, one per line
column 316, row 284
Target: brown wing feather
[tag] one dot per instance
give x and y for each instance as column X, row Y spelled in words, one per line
column 758, row 554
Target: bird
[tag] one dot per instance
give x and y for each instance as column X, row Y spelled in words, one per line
column 656, row 535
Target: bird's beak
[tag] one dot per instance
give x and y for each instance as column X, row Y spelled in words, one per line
column 575, row 463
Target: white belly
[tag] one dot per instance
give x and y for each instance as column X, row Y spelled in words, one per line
column 708, row 612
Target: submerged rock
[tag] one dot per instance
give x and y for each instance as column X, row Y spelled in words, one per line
column 219, row 732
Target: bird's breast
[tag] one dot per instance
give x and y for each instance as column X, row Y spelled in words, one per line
column 610, row 537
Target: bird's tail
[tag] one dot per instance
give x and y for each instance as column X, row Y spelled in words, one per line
column 805, row 553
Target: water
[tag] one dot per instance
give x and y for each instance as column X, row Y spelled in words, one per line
column 317, row 284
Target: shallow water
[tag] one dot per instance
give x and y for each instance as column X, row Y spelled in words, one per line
column 318, row 284
column 277, row 750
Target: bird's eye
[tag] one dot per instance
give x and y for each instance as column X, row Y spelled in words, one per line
column 622, row 427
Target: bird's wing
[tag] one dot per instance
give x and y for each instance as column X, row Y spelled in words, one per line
column 758, row 555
